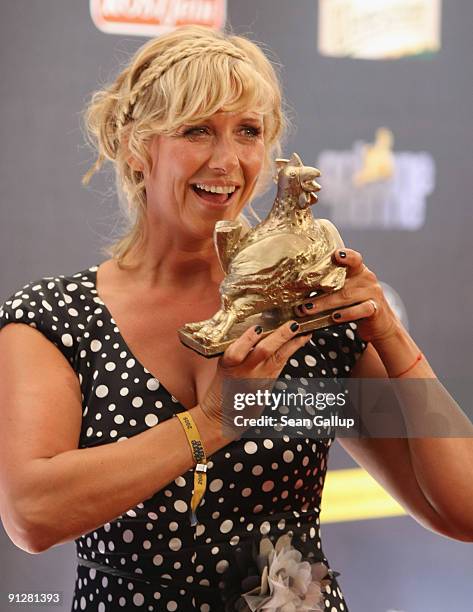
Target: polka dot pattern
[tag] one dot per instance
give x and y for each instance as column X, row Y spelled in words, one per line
column 150, row 558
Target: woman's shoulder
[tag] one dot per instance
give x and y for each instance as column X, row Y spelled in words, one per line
column 49, row 293
column 55, row 305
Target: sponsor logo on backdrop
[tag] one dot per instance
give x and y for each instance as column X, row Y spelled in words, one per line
column 377, row 160
column 155, row 17
column 371, row 186
column 370, row 29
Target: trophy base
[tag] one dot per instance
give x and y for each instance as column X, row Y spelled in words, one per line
column 269, row 321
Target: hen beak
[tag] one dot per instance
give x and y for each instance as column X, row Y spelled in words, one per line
column 310, row 188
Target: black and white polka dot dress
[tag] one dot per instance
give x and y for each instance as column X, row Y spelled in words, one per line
column 150, row 558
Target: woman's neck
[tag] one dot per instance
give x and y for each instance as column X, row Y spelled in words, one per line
column 167, row 266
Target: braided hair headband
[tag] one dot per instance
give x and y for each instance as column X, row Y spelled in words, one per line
column 152, row 73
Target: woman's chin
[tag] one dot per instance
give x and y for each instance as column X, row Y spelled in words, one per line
column 202, row 227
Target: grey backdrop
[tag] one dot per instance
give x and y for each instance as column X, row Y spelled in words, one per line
column 52, row 57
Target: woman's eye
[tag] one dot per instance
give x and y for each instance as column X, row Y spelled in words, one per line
column 252, row 132
column 196, row 131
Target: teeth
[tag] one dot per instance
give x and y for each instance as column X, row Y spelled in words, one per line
column 217, row 188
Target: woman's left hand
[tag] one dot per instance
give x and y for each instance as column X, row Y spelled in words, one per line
column 375, row 319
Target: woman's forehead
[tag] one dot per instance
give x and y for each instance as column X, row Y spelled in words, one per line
column 231, row 115
column 237, row 114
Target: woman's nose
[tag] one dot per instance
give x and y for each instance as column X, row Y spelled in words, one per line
column 224, row 157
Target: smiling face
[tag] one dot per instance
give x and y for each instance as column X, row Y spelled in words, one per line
column 204, row 172
column 179, row 79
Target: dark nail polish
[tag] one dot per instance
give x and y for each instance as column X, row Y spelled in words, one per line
column 342, row 254
column 337, row 315
column 258, row 329
column 294, row 326
column 309, row 305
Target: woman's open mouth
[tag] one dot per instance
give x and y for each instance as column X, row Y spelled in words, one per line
column 217, row 195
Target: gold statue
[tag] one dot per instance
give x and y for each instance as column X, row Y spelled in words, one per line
column 273, row 267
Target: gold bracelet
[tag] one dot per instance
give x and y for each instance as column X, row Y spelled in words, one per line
column 200, row 458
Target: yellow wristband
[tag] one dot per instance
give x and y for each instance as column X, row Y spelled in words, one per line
column 198, row 453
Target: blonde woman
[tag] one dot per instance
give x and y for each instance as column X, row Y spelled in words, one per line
column 93, row 371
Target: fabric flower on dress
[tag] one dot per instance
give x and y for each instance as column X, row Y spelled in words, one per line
column 286, row 583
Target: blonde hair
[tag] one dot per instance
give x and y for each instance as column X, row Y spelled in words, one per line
column 180, row 78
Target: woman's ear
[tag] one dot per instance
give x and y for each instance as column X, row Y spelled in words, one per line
column 134, row 164
column 131, row 160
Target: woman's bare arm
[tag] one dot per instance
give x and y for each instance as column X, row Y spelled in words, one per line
column 426, row 475
column 436, row 457
column 51, row 491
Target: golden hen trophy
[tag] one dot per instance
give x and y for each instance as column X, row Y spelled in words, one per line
column 282, row 262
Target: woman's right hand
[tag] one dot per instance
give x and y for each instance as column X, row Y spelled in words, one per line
column 249, row 358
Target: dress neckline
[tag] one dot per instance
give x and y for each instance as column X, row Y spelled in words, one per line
column 93, row 271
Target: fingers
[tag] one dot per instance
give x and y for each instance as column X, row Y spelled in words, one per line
column 276, row 348
column 267, row 348
column 280, row 357
column 303, row 310
column 365, row 310
column 238, row 350
column 349, row 258
column 351, row 293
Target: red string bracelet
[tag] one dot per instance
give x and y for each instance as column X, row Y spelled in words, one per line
column 417, row 359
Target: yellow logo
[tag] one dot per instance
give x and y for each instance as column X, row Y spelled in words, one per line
column 377, row 159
